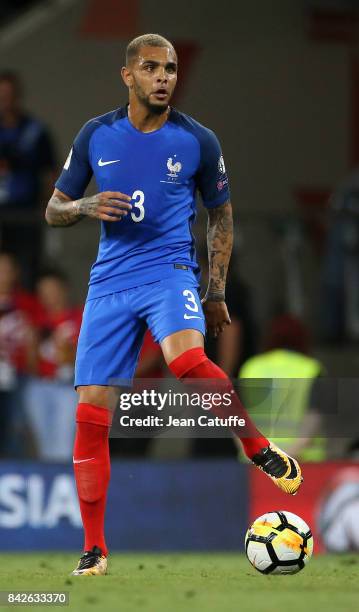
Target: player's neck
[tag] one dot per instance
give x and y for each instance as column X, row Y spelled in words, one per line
column 145, row 121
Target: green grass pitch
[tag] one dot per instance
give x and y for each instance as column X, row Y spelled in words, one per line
column 186, row 582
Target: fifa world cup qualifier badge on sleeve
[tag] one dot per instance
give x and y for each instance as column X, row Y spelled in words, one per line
column 223, row 179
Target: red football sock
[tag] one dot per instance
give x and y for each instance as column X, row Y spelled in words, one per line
column 194, row 363
column 92, row 471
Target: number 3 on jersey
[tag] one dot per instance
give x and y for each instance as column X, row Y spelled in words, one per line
column 138, row 198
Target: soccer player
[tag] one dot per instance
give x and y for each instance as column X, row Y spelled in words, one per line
column 148, row 160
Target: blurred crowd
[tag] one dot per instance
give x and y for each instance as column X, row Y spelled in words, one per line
column 38, row 335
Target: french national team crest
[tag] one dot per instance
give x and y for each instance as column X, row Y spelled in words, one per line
column 174, row 167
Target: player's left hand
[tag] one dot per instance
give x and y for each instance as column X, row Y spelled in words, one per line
column 217, row 316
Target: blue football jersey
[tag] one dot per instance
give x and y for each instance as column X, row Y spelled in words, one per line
column 161, row 171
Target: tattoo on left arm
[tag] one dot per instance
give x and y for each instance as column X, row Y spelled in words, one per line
column 219, row 243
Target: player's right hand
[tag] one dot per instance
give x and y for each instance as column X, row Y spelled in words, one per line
column 107, row 205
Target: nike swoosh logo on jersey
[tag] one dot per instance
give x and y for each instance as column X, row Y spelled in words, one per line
column 105, row 163
column 186, row 316
column 82, row 460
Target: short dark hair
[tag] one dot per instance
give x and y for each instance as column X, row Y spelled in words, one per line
column 146, row 40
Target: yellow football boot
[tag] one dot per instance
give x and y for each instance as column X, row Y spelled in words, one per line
column 280, row 467
column 92, row 563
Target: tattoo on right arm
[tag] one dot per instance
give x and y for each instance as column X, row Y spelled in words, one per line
column 110, row 206
column 62, row 212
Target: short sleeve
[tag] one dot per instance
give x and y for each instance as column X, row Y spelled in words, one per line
column 212, row 180
column 77, row 171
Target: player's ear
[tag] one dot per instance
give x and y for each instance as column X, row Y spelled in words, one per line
column 126, row 76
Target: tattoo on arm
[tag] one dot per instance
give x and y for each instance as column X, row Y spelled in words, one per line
column 108, row 206
column 219, row 243
column 62, row 212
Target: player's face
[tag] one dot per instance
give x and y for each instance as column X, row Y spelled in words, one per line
column 153, row 77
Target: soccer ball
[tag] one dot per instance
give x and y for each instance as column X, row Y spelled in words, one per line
column 279, row 542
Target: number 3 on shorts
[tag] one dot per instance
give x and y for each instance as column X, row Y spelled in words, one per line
column 192, row 306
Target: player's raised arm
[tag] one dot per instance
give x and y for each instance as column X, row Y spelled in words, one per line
column 110, row 206
column 61, row 210
column 67, row 205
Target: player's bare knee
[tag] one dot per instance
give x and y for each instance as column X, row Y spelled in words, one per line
column 179, row 342
column 94, row 394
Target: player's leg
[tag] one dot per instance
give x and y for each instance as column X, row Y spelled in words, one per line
column 91, row 461
column 177, row 322
column 108, row 348
column 186, row 358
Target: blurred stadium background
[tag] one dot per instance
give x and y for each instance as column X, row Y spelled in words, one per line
column 280, row 87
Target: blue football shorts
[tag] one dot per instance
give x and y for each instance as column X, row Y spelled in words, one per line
column 113, row 326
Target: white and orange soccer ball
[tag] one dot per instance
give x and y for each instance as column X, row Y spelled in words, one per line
column 279, row 542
